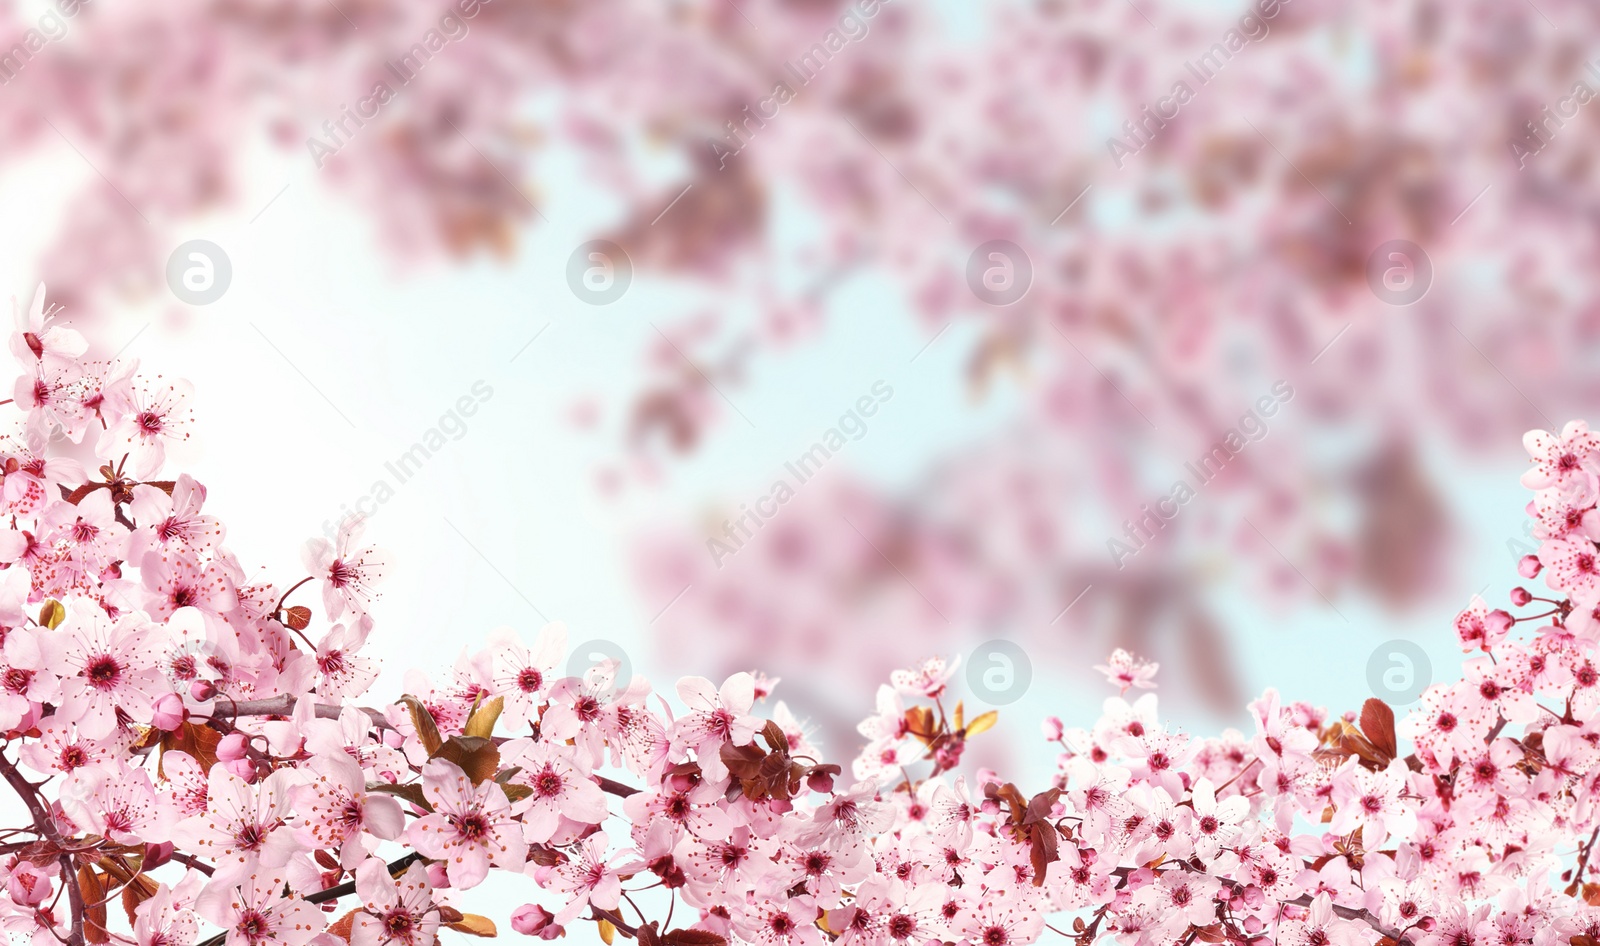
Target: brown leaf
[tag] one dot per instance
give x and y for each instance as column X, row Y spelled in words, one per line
column 474, row 925
column 1377, row 724
column 427, row 729
column 92, row 886
column 298, row 617
column 477, row 756
column 140, row 889
column 196, row 739
column 1591, row 894
column 607, row 931
column 411, row 793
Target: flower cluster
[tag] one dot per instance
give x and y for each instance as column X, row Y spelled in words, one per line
column 187, row 748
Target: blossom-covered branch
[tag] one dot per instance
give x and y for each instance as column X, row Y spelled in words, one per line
column 205, row 764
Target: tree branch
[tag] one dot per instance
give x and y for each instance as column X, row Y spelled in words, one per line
column 283, row 705
column 615, row 788
column 1351, row 913
column 46, row 826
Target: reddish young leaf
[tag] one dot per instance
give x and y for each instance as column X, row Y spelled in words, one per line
column 1377, row 724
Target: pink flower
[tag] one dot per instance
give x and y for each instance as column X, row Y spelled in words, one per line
column 62, row 747
column 559, row 785
column 156, row 414
column 779, row 920
column 1372, row 801
column 336, row 811
column 166, row 521
column 716, row 718
column 341, row 672
column 242, row 825
column 1573, row 566
column 165, row 920
column 253, row 910
column 394, row 910
column 471, row 827
column 928, row 679
column 524, row 676
column 349, row 575
column 1125, row 670
column 29, row 885
column 25, row 680
column 118, row 803
column 1479, row 628
column 39, row 341
column 1320, row 928
column 586, row 878
column 110, row 669
column 1561, row 461
column 175, row 580
column 1010, row 921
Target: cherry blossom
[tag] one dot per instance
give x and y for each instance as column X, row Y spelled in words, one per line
column 471, row 828
column 395, row 910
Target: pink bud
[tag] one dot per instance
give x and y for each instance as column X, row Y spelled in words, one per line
column 232, row 747
column 1052, row 728
column 28, row 885
column 530, row 919
column 820, row 782
column 202, row 690
column 437, row 879
column 167, row 713
column 1426, row 924
column 244, row 768
column 1498, row 622
column 1521, row 596
column 1529, row 566
column 1253, row 924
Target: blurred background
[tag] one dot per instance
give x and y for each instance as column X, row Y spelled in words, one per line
column 1066, row 250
